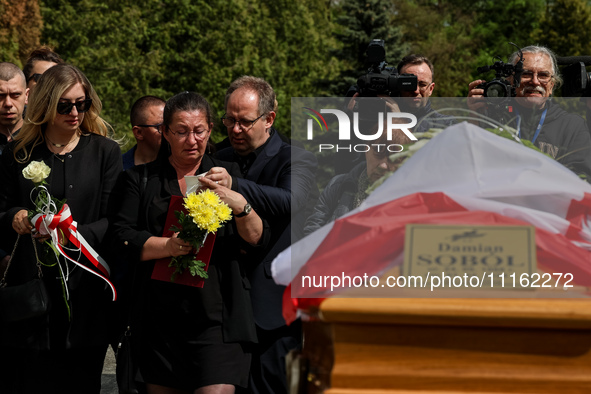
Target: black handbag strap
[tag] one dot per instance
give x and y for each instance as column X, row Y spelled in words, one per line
column 39, row 271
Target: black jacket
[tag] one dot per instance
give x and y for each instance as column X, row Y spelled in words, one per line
column 132, row 209
column 429, row 118
column 91, row 170
column 337, row 198
column 280, row 184
column 563, row 136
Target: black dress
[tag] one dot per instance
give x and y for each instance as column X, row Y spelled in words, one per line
column 189, row 337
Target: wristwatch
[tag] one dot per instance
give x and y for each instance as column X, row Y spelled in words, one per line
column 245, row 211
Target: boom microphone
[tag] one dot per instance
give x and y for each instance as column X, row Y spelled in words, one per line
column 565, row 60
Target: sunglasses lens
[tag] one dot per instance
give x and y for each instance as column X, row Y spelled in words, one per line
column 64, row 108
column 34, row 77
column 81, row 107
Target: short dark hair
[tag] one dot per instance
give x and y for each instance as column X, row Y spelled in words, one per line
column 416, row 60
column 186, row 101
column 44, row 53
column 136, row 115
column 9, row 71
column 262, row 88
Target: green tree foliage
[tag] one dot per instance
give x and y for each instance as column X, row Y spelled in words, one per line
column 163, row 47
column 20, row 30
column 104, row 39
column 461, row 35
column 360, row 21
column 284, row 42
column 565, row 26
column 441, row 31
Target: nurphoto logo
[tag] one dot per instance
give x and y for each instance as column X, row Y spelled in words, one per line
column 393, row 120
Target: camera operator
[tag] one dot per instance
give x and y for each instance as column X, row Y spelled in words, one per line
column 555, row 132
column 417, row 101
column 347, row 190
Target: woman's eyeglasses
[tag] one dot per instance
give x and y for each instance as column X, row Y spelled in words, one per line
column 81, row 106
column 182, row 134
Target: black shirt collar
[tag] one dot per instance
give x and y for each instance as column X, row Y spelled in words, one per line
column 245, row 162
column 4, row 139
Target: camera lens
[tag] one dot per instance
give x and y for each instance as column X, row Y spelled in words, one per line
column 496, row 89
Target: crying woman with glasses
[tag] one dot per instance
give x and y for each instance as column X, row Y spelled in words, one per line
column 190, row 339
column 64, row 348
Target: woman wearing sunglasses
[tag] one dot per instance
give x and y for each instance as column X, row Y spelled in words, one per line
column 62, row 351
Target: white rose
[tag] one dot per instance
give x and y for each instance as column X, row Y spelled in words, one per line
column 37, row 171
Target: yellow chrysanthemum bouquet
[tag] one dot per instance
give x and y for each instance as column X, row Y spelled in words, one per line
column 206, row 214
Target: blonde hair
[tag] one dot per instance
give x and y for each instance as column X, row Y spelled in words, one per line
column 42, row 109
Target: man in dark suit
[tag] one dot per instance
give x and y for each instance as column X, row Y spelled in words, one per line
column 279, row 183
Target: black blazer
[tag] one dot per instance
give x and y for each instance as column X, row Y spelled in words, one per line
column 280, row 184
column 131, row 228
column 91, row 170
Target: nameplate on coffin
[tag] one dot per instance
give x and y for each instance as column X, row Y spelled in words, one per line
column 482, row 256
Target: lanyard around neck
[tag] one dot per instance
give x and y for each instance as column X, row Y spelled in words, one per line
column 538, row 129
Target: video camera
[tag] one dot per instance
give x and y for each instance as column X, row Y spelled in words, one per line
column 577, row 81
column 500, row 87
column 379, row 78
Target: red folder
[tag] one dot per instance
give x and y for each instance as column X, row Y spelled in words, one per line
column 161, row 269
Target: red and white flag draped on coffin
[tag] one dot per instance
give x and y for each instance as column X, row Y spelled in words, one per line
column 464, row 176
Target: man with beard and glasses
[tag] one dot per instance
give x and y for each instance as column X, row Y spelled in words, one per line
column 538, row 119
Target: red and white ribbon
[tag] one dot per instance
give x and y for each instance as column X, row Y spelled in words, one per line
column 48, row 224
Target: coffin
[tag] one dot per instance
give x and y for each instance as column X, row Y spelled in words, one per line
column 448, row 346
